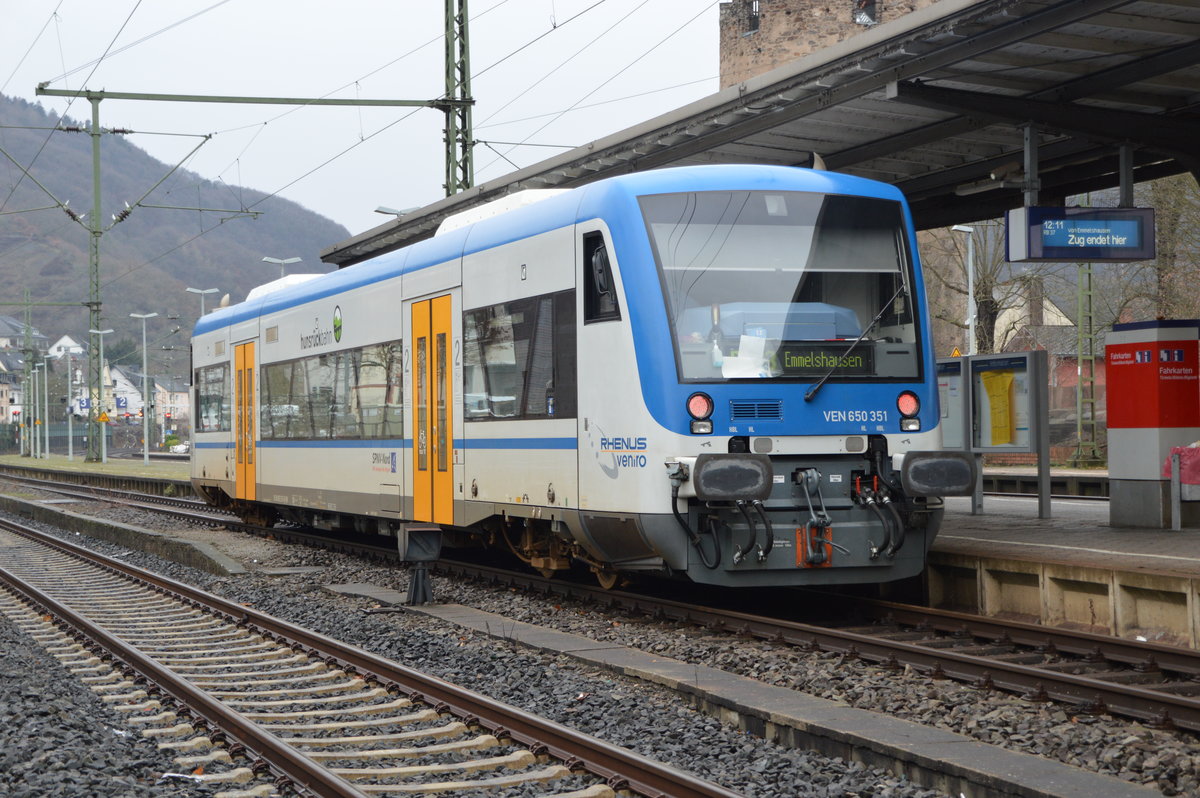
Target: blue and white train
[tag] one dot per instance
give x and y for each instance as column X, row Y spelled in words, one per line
column 722, row 372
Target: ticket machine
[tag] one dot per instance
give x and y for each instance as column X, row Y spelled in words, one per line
column 1153, row 402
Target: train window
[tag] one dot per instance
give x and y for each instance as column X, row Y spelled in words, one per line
column 561, row 401
column 351, row 394
column 213, row 399
column 519, row 359
column 422, row 403
column 379, row 390
column 775, row 285
column 599, row 290
column 442, row 418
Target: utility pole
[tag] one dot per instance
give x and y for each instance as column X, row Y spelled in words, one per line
column 96, row 229
column 460, row 143
column 1087, row 447
column 460, row 169
column 29, row 353
column 147, row 402
column 95, row 367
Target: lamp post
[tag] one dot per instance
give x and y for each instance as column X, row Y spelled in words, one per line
column 70, row 408
column 145, row 388
column 46, row 404
column 970, row 231
column 202, row 292
column 281, row 263
column 100, row 398
column 386, row 211
column 35, row 434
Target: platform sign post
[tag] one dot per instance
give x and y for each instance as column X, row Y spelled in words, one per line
column 1000, row 402
column 954, row 409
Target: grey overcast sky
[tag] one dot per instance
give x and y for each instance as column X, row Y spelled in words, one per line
column 547, row 72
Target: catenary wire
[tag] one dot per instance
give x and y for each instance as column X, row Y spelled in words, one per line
column 617, row 74
column 568, row 60
column 36, row 39
column 370, row 136
column 61, row 116
column 69, row 72
column 596, row 104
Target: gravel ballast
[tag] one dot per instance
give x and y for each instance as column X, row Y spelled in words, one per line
column 623, row 711
column 656, row 723
column 58, row 739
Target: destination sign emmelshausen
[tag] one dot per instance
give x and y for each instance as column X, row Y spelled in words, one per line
column 806, row 359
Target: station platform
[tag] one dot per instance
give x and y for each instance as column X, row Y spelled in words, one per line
column 1074, row 569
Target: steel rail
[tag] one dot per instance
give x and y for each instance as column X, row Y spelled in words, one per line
column 84, row 490
column 1090, row 694
column 273, row 752
column 1117, row 649
column 623, row 769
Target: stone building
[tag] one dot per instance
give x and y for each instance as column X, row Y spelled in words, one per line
column 760, row 35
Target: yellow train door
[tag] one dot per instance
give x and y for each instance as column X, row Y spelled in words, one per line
column 244, row 414
column 433, row 438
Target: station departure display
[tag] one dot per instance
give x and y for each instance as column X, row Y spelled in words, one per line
column 1050, row 234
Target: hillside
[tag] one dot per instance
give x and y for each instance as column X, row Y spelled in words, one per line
column 147, row 261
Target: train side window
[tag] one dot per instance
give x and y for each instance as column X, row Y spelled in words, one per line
column 519, row 359
column 562, row 402
column 349, row 394
column 599, row 289
column 213, row 392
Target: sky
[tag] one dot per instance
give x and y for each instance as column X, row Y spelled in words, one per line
column 547, row 75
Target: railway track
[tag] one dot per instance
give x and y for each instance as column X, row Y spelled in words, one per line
column 263, row 701
column 1090, row 673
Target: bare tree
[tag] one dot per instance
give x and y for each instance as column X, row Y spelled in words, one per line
column 1168, row 287
column 999, row 285
column 1176, row 202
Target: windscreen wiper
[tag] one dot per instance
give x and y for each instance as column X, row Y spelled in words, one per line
column 842, row 358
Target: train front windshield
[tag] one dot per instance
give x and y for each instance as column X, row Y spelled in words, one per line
column 778, row 285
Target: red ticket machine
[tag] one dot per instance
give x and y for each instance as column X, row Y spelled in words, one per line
column 1153, row 399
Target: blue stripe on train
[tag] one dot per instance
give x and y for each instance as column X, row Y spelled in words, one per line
column 406, row 443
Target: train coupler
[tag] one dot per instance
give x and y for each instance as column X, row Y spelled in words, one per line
column 817, row 533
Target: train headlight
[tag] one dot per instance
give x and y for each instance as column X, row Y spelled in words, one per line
column 700, row 407
column 909, row 405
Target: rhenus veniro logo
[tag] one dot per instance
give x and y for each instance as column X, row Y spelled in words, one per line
column 626, row 452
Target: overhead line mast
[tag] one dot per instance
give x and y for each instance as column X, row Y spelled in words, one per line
column 460, row 169
column 460, row 143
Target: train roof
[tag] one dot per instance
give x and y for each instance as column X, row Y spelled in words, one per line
column 552, row 212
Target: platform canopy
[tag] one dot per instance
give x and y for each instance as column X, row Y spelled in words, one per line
column 938, row 102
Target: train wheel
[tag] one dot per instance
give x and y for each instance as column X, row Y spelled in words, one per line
column 547, row 573
column 607, row 579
